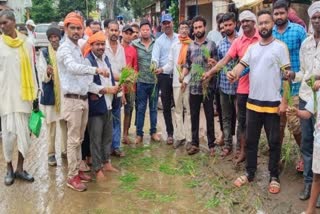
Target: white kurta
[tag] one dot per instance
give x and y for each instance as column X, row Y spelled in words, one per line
column 14, row 111
column 49, row 111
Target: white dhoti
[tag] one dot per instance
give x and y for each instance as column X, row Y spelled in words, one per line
column 15, row 129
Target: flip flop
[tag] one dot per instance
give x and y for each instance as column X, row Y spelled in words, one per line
column 274, row 186
column 240, row 181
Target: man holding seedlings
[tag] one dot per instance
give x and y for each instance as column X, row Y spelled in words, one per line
column 266, row 59
column 201, row 55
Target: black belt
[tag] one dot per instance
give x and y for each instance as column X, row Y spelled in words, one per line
column 168, row 75
column 76, row 96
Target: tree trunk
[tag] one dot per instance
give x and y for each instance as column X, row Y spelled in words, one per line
column 110, row 6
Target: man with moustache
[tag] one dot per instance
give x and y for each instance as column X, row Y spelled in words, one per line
column 293, row 35
column 17, row 91
column 237, row 50
column 117, row 57
column 100, row 113
column 176, row 59
column 227, row 90
column 309, row 66
column 51, row 96
column 76, row 82
column 160, row 55
column 136, row 29
column 266, row 59
column 195, row 58
column 128, row 98
column 147, row 89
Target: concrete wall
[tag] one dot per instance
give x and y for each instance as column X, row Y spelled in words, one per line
column 18, row 7
column 205, row 11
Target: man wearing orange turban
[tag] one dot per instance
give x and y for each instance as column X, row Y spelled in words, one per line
column 99, row 36
column 75, row 83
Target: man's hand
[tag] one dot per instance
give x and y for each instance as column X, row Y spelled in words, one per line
column 282, row 108
column 102, row 71
column 206, row 76
column 289, row 75
column 159, row 71
column 291, row 111
column 212, row 62
column 231, row 76
column 316, row 85
column 49, row 70
column 113, row 89
column 183, row 87
column 181, row 78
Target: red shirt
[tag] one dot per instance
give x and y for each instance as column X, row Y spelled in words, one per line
column 238, row 49
column 131, row 59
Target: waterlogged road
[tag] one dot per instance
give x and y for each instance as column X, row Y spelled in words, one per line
column 153, row 178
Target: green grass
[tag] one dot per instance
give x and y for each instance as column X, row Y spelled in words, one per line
column 157, row 197
column 167, row 169
column 147, row 194
column 128, row 181
column 193, row 184
column 212, row 203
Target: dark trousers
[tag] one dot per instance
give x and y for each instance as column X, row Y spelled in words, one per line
column 218, row 105
column 271, row 124
column 241, row 115
column 85, row 146
column 165, row 86
column 307, row 129
column 228, row 117
column 195, row 105
column 100, row 131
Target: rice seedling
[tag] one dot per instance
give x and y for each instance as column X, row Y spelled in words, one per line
column 128, row 78
column 153, row 67
column 205, row 52
column 197, row 72
column 310, row 83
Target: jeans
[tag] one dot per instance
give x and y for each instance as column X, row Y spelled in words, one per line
column 195, row 105
column 165, row 86
column 271, row 124
column 241, row 115
column 145, row 92
column 116, row 134
column 228, row 117
column 219, row 110
column 307, row 129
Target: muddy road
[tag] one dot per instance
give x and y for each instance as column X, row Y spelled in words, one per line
column 153, row 178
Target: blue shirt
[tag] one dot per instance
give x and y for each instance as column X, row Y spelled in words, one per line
column 225, row 86
column 293, row 36
column 161, row 50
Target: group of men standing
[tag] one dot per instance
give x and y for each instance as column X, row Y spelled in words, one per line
column 81, row 90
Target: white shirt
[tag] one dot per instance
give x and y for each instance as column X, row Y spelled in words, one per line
column 172, row 64
column 117, row 60
column 214, row 36
column 105, row 82
column 309, row 65
column 311, row 108
column 10, row 78
column 75, row 75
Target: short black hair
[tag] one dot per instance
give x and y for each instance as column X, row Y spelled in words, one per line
column 184, row 23
column 113, row 22
column 280, row 4
column 95, row 23
column 219, row 16
column 88, row 22
column 145, row 22
column 265, row 12
column 199, row 19
column 229, row 16
column 135, row 25
column 106, row 22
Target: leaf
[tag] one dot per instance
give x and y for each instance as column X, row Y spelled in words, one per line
column 205, row 52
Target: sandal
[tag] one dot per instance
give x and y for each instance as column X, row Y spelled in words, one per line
column 300, row 166
column 240, row 181
column 274, row 186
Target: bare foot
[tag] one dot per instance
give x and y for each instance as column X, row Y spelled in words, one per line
column 241, row 157
column 108, row 167
column 138, row 140
column 126, row 140
column 100, row 176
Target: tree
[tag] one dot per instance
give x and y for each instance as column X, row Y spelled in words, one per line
column 67, row 6
column 42, row 11
column 138, row 5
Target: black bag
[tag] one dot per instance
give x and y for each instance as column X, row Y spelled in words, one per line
column 47, row 95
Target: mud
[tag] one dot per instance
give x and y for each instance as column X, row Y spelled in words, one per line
column 153, row 178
